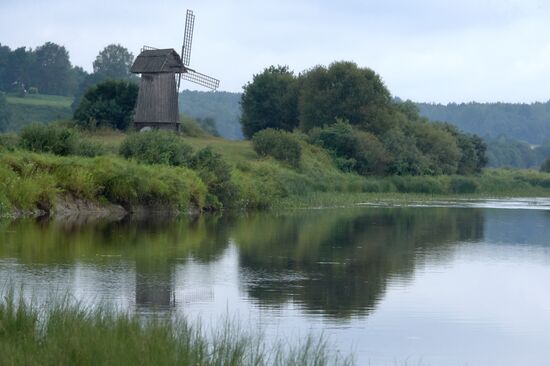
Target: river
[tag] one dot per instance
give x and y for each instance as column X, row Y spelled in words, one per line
column 444, row 283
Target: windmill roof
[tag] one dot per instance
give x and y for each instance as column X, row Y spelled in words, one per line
column 155, row 61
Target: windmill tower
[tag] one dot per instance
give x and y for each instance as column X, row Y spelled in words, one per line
column 161, row 73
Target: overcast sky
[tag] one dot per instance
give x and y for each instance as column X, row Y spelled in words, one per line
column 425, row 50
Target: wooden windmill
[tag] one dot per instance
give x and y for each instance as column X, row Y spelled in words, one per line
column 161, row 73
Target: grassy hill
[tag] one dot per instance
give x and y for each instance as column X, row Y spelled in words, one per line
column 37, row 108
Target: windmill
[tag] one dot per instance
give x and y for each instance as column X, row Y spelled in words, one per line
column 157, row 102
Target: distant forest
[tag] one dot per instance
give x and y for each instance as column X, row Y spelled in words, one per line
column 524, row 122
column 222, row 107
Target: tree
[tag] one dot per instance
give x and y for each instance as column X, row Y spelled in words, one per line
column 545, row 167
column 343, row 90
column 270, row 101
column 110, row 103
column 52, row 70
column 114, row 62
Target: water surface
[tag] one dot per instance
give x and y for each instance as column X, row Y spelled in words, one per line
column 462, row 283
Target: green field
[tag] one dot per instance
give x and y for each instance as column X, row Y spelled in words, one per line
column 37, row 108
column 41, row 100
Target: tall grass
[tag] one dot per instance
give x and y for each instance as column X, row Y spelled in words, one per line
column 29, row 181
column 64, row 332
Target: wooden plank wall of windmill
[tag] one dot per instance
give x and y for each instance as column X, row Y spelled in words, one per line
column 157, row 103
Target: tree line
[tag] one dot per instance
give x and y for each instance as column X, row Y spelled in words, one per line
column 47, row 69
column 523, row 122
column 348, row 111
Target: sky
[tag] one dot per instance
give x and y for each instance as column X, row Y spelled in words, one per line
column 425, row 50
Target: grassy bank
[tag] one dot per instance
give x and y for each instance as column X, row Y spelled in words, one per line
column 66, row 333
column 30, row 181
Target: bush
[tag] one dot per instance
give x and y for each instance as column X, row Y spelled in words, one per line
column 156, row 147
column 463, row 185
column 545, row 167
column 280, row 145
column 189, row 127
column 49, row 139
column 352, row 150
column 216, row 175
column 110, row 103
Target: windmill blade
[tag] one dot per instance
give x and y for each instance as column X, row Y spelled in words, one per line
column 201, row 79
column 188, row 37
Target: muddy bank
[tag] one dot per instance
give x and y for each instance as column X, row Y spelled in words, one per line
column 67, row 207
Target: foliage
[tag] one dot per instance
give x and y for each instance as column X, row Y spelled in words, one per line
column 407, row 158
column 31, row 181
column 57, row 139
column 222, row 107
column 346, row 91
column 278, row 144
column 114, row 62
column 110, row 103
column 508, row 153
column 545, row 167
column 46, row 69
column 351, row 149
column 190, row 127
column 156, row 147
column 216, row 175
column 514, row 121
column 439, row 147
column 349, row 112
column 208, row 125
column 270, row 101
column 50, row 139
column 53, row 69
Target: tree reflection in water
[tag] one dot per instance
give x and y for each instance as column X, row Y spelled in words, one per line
column 335, row 262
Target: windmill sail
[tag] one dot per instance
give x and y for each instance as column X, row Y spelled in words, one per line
column 188, row 38
column 201, row 79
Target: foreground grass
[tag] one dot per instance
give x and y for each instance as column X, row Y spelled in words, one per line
column 66, row 333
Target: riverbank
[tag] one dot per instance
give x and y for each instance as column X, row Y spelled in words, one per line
column 33, row 184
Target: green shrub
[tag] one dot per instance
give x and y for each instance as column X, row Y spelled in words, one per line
column 423, row 184
column 216, row 175
column 109, row 103
column 351, row 149
column 545, row 167
column 280, row 145
column 189, row 127
column 460, row 184
column 50, row 139
column 156, row 147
